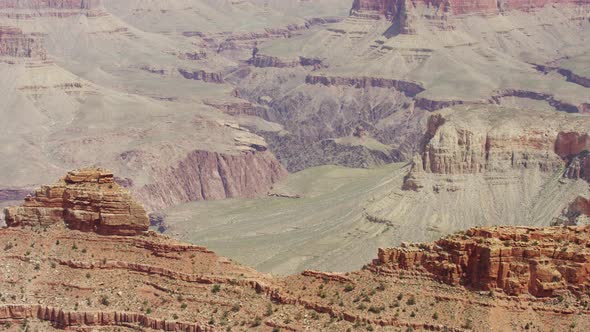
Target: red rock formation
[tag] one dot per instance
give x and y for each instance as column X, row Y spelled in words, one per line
column 88, row 200
column 14, row 43
column 67, row 319
column 569, row 144
column 516, row 260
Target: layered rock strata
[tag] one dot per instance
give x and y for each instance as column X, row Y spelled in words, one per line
column 88, row 200
column 393, row 9
column 50, row 4
column 14, row 43
column 408, row 88
column 494, row 144
column 205, row 175
column 515, row 260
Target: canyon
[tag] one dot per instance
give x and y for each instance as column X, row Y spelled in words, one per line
column 56, row 277
column 303, row 139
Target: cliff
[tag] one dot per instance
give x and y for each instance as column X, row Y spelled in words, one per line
column 50, row 4
column 456, row 143
column 88, row 200
column 402, row 13
column 84, row 281
column 14, row 43
column 394, row 8
column 542, row 262
column 205, row 175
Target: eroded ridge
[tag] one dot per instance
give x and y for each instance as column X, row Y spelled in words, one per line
column 86, row 200
column 542, row 262
column 53, row 277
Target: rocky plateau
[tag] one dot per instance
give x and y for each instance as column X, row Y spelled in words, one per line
column 56, row 277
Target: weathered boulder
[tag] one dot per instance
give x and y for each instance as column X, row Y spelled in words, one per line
column 88, row 200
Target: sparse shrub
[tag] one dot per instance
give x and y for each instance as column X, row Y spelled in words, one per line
column 381, row 287
column 235, row 308
column 8, row 246
column 411, row 300
column 412, row 314
column 400, row 297
column 376, row 310
column 435, row 316
column 104, row 300
column 183, row 306
column 268, row 310
column 257, row 322
column 215, row 289
column 348, row 288
column 74, row 247
column 174, row 316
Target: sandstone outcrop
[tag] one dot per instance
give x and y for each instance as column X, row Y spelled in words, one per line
column 85, row 281
column 67, row 319
column 542, row 262
column 458, row 149
column 403, row 13
column 14, row 43
column 494, row 144
column 393, row 9
column 88, row 200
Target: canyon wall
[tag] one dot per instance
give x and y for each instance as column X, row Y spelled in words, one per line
column 49, row 4
column 452, row 149
column 205, row 175
column 88, row 200
column 14, row 43
column 515, row 260
column 394, row 8
column 496, row 143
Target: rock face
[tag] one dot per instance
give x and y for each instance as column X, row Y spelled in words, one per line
column 408, row 88
column 396, row 8
column 453, row 149
column 201, row 75
column 88, row 200
column 516, row 260
column 14, row 43
column 205, row 175
column 50, row 4
column 403, row 13
column 496, row 144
